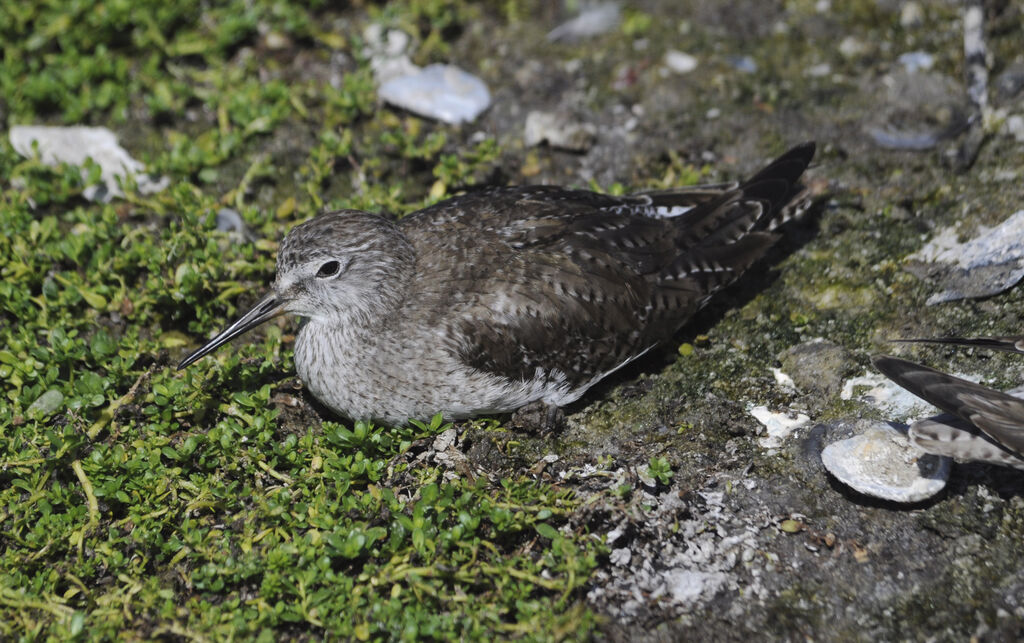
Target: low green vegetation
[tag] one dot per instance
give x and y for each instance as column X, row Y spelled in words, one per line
column 139, row 501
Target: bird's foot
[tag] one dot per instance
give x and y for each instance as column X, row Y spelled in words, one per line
column 538, row 418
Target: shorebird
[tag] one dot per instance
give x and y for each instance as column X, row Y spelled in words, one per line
column 507, row 297
column 983, row 424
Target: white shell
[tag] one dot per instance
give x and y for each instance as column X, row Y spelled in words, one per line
column 881, row 462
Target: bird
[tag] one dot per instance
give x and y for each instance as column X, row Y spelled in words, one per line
column 509, row 298
column 981, row 424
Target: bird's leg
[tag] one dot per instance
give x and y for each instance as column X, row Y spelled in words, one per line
column 538, row 418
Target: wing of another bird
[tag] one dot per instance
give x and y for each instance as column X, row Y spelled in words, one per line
column 994, row 415
column 1009, row 343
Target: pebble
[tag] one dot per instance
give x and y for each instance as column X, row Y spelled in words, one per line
column 74, row 144
column 851, row 47
column 914, row 61
column 680, row 62
column 819, row 70
column 442, row 92
column 779, row 424
column 1010, row 83
column 1014, row 126
column 745, row 64
column 593, row 21
column 916, row 111
column 988, row 264
column 558, row 130
column 229, row 220
column 882, row 463
column 387, row 51
column 911, row 15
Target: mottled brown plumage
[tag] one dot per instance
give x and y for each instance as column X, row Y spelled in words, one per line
column 496, row 299
column 984, row 424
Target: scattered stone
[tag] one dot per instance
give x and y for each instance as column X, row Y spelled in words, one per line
column 687, row 585
column 819, row 70
column 916, row 111
column 986, row 265
column 911, row 15
column 783, row 380
column 744, row 64
column 558, row 130
column 914, row 61
column 1014, row 126
column 851, row 47
column 46, row 404
column 1010, row 83
column 73, row 145
column 882, row 463
column 387, row 51
column 779, row 424
column 229, row 220
column 442, row 92
column 680, row 62
column 620, row 557
column 818, row 367
column 592, row 21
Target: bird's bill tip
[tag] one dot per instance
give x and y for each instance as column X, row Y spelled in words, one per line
column 265, row 309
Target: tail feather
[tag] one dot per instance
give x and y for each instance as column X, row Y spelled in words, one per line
column 772, row 189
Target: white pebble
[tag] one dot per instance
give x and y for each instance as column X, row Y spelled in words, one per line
column 680, row 62
column 442, row 92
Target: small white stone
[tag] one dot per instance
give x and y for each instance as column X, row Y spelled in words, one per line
column 713, row 113
column 558, row 130
column 620, row 557
column 779, row 424
column 882, row 463
column 914, row 61
column 911, row 15
column 1014, row 126
column 783, row 380
column 73, row 145
column 819, row 70
column 851, row 47
column 442, row 92
column 680, row 62
column 593, row 21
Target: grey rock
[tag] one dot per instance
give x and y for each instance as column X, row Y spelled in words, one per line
column 818, row 367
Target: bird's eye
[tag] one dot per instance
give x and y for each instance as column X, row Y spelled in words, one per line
column 328, row 269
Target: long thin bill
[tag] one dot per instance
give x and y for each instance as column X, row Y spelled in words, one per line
column 267, row 308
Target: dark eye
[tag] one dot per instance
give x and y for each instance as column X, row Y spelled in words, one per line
column 329, row 269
